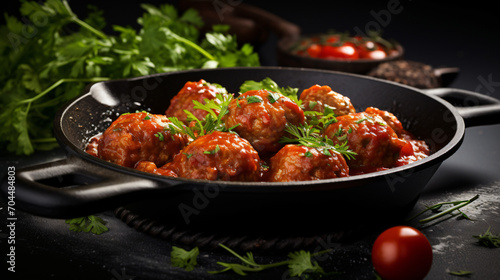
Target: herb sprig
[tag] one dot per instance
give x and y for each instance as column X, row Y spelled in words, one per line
column 436, row 208
column 45, row 65
column 488, row 239
column 299, row 263
column 183, row 258
column 216, row 110
column 307, row 135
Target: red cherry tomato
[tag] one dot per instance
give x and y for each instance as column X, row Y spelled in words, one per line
column 376, row 54
column 346, row 51
column 402, row 252
column 314, row 50
column 371, row 50
column 341, row 47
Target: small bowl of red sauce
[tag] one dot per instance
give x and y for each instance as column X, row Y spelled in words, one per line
column 339, row 52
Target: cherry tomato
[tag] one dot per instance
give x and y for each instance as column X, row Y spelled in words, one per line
column 314, row 50
column 345, row 51
column 371, row 50
column 402, row 252
column 338, row 46
column 376, row 54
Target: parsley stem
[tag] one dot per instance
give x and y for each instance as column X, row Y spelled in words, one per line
column 58, row 83
column 89, row 28
column 83, row 23
column 447, row 211
column 193, row 45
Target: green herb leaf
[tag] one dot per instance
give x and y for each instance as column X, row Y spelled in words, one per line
column 66, row 53
column 90, row 223
column 307, row 135
column 160, row 136
column 455, row 205
column 253, row 99
column 298, row 263
column 270, row 85
column 184, row 259
column 488, row 239
column 214, row 151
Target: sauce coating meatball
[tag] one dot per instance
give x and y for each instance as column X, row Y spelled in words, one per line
column 414, row 150
column 139, row 136
column 301, row 163
column 317, row 97
column 218, row 156
column 260, row 117
column 150, row 167
column 191, row 91
column 375, row 142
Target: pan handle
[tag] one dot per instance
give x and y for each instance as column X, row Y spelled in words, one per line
column 71, row 188
column 476, row 109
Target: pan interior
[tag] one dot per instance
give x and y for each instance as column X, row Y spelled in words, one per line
column 427, row 117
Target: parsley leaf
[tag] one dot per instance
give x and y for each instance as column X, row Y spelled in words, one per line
column 488, row 239
column 216, row 109
column 307, row 135
column 299, row 263
column 90, row 223
column 45, row 65
column 270, row 85
column 184, row 259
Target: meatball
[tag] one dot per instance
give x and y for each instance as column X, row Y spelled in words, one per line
column 317, row 97
column 301, row 163
column 260, row 116
column 375, row 142
column 183, row 100
column 140, row 136
column 218, row 156
column 150, row 167
column 390, row 119
column 415, row 149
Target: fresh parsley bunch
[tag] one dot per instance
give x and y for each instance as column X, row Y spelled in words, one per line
column 49, row 55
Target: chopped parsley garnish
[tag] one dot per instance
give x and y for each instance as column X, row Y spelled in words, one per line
column 308, row 154
column 253, row 99
column 273, row 96
column 160, row 136
column 214, row 151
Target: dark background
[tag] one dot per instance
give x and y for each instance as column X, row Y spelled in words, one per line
column 439, row 33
